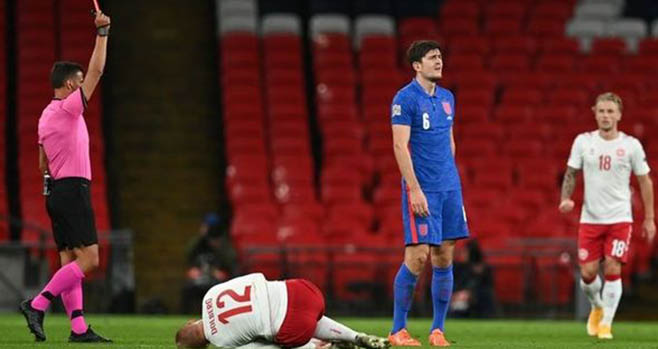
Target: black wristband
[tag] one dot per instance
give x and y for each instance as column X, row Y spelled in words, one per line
column 103, row 31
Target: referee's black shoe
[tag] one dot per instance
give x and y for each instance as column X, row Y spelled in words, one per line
column 88, row 337
column 34, row 320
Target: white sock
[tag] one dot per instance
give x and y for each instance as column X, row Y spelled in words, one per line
column 593, row 291
column 611, row 296
column 330, row 330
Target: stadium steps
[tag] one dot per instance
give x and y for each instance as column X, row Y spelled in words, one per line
column 164, row 154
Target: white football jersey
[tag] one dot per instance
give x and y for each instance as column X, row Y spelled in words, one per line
column 607, row 167
column 243, row 310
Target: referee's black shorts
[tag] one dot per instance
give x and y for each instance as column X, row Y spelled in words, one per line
column 71, row 214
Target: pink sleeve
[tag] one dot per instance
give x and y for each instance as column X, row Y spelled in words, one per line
column 75, row 103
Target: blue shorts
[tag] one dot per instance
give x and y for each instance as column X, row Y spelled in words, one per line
column 447, row 219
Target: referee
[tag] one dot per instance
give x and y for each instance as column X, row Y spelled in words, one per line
column 64, row 155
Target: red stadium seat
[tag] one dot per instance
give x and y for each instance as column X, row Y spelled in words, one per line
column 506, row 10
column 503, row 27
column 239, row 59
column 600, row 64
column 336, row 77
column 509, row 281
column 510, row 62
column 243, row 42
column 517, row 44
column 284, row 76
column 648, row 46
column 532, row 199
column 542, row 27
column 560, row 45
column 475, row 97
column 477, row 148
column 645, row 64
column 340, row 146
column 608, row 46
column 555, row 280
column 518, row 148
column 472, row 114
column 417, row 25
column 522, row 96
column 575, row 97
column 335, row 94
column 479, row 130
column 513, row 114
column 244, row 146
column 457, row 9
column 501, row 180
column 465, row 62
column 311, row 210
column 289, row 146
column 555, row 11
column 289, row 169
column 337, row 60
column 378, row 43
column 282, row 42
column 538, row 173
column 530, row 131
column 529, row 80
column 334, row 194
column 471, row 80
column 283, row 59
column 359, row 211
column 330, row 43
column 468, row 44
column 556, row 63
column 378, row 60
column 481, row 197
column 242, row 194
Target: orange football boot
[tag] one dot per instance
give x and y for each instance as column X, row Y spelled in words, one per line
column 402, row 338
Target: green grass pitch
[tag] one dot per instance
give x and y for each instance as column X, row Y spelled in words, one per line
column 158, row 332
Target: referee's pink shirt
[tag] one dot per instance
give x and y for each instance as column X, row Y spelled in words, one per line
column 64, row 137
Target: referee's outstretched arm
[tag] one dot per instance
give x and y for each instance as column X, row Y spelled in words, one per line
column 97, row 61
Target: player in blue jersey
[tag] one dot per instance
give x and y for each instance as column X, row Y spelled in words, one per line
column 432, row 210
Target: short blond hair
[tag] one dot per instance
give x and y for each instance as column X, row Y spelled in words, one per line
column 609, row 96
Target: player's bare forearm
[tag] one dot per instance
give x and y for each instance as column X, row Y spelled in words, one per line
column 568, row 183
column 646, row 191
column 403, row 158
column 453, row 147
column 43, row 161
column 96, row 66
column 98, row 56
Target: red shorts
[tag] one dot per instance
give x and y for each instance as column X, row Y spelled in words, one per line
column 598, row 240
column 305, row 308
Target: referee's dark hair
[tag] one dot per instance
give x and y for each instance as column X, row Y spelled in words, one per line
column 63, row 71
column 418, row 49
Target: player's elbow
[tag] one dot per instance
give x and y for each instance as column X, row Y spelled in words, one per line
column 399, row 146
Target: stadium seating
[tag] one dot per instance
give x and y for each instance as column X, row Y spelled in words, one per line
column 524, row 74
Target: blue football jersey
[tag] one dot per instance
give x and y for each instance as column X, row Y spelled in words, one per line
column 430, row 119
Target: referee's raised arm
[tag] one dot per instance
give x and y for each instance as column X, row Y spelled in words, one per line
column 98, row 56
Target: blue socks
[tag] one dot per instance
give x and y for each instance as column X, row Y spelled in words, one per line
column 403, row 294
column 442, row 283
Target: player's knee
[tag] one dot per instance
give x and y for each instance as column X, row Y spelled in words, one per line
column 588, row 273
column 90, row 261
column 416, row 262
column 611, row 267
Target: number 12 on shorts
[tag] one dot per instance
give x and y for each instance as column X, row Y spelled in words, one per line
column 245, row 297
column 618, row 248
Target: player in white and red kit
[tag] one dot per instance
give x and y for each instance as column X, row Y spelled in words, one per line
column 252, row 312
column 607, row 158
